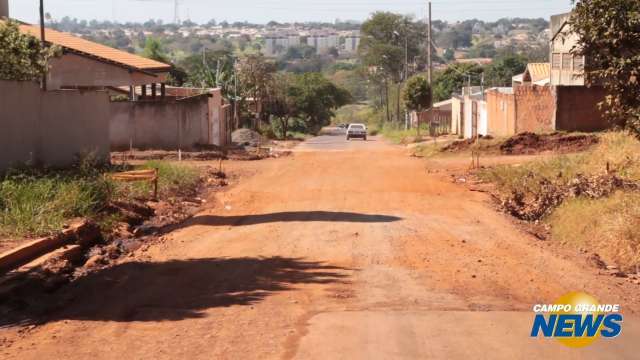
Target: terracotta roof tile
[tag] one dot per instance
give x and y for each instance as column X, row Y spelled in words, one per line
column 75, row 43
column 539, row 71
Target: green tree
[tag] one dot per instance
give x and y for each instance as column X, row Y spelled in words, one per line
column 482, row 51
column 502, row 70
column 281, row 103
column 417, row 96
column 453, row 78
column 317, row 98
column 22, row 56
column 255, row 74
column 382, row 49
column 154, row 50
column 609, row 38
column 354, row 80
column 449, row 55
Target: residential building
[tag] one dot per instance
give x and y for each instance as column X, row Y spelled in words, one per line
column 576, row 104
column 477, row 61
column 154, row 116
column 352, row 42
column 323, row 41
column 534, row 74
column 276, row 44
column 87, row 65
column 566, row 68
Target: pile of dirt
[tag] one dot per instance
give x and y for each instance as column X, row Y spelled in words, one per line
column 247, row 137
column 529, row 206
column 530, row 143
column 145, row 155
column 462, row 145
column 527, row 143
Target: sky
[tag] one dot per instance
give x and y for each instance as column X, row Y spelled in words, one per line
column 263, row 11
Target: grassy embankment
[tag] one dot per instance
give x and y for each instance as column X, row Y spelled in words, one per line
column 37, row 203
column 608, row 224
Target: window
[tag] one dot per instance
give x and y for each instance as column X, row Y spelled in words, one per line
column 555, row 60
column 566, row 61
column 578, row 63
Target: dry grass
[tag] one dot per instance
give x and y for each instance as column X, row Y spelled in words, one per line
column 620, row 150
column 609, row 226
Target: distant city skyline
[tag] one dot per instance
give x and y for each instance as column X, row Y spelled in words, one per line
column 263, row 11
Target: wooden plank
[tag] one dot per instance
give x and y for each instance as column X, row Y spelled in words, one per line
column 150, row 175
column 82, row 233
column 26, row 253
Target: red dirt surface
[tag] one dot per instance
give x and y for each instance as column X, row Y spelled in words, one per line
column 344, row 250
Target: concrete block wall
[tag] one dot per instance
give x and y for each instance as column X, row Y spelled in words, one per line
column 52, row 128
column 168, row 125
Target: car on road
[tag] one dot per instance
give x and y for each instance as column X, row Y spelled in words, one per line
column 357, row 131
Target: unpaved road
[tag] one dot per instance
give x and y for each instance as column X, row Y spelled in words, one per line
column 341, row 251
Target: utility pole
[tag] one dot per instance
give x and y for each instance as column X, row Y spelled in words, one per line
column 429, row 48
column 176, row 12
column 429, row 71
column 235, row 93
column 205, row 68
column 43, row 40
column 406, row 69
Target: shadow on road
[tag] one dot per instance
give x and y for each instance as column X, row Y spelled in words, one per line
column 172, row 290
column 291, row 216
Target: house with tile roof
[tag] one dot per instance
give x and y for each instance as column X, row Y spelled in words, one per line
column 86, row 64
column 534, row 74
column 155, row 116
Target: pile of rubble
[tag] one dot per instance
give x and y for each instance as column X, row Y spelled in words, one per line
column 533, row 206
column 247, row 137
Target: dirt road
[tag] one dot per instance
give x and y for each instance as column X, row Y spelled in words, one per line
column 341, row 251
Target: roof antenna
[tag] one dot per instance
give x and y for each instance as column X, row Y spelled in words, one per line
column 176, row 12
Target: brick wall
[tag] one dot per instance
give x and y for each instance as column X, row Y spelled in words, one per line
column 535, row 110
column 578, row 110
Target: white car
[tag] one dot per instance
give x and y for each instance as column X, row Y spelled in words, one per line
column 357, row 131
